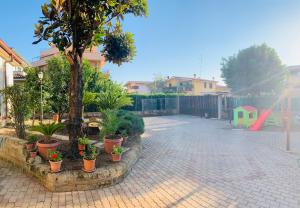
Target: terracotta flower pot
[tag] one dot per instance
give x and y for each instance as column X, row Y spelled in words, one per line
column 44, row 147
column 81, row 147
column 89, row 165
column 55, row 117
column 110, row 143
column 29, row 147
column 55, row 166
column 116, row 157
column 33, row 154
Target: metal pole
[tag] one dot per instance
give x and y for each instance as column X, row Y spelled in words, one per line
column 42, row 101
column 288, row 126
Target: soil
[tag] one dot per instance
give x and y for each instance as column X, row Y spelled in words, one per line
column 51, row 141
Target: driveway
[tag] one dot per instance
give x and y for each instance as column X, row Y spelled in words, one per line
column 186, row 162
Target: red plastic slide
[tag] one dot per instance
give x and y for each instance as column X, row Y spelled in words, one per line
column 260, row 121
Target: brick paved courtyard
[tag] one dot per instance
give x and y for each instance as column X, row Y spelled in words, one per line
column 186, row 162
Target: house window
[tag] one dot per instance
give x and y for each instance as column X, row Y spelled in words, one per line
column 135, row 87
column 180, row 83
column 205, row 85
column 170, row 85
column 210, row 85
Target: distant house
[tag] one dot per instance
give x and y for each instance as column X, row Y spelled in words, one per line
column 93, row 56
column 194, row 86
column 138, row 87
column 294, row 75
column 11, row 71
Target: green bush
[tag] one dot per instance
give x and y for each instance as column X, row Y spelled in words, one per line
column 130, row 123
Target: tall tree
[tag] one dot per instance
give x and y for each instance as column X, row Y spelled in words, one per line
column 58, row 74
column 254, row 71
column 75, row 25
column 32, row 85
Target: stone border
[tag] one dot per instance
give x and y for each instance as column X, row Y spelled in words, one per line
column 12, row 151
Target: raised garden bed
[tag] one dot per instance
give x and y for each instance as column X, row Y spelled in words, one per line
column 71, row 178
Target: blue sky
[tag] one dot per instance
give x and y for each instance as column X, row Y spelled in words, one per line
column 180, row 37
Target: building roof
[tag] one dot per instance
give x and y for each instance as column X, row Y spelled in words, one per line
column 294, row 69
column 137, row 82
column 12, row 55
column 248, row 108
column 186, row 79
column 89, row 54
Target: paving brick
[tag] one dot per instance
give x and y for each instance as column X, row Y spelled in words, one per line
column 186, row 162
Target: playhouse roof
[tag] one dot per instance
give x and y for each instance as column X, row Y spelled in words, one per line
column 248, row 108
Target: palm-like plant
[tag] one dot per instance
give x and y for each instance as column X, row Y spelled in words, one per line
column 110, row 124
column 47, row 129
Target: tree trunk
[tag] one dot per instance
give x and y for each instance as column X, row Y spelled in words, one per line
column 75, row 104
column 33, row 117
column 60, row 115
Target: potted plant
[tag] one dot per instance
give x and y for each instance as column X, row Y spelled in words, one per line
column 55, row 160
column 82, row 142
column 32, row 139
column 47, row 143
column 117, row 153
column 109, row 131
column 33, row 152
column 89, row 158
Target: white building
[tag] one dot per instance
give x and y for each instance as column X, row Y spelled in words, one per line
column 11, row 71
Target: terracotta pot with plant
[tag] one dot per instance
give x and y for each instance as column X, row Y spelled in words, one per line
column 55, row 160
column 117, row 154
column 33, row 152
column 89, row 158
column 30, row 144
column 82, row 142
column 109, row 131
column 47, row 143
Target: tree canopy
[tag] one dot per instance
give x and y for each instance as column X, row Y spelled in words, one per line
column 254, row 71
column 58, row 74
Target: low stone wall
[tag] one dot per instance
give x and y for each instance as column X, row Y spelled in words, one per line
column 12, row 150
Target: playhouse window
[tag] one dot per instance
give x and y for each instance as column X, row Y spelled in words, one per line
column 250, row 115
column 240, row 115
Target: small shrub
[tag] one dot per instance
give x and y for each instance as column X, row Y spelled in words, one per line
column 83, row 140
column 117, row 150
column 54, row 156
column 90, row 152
column 130, row 123
column 32, row 139
column 47, row 129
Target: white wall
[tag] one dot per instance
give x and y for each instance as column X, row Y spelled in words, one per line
column 2, row 105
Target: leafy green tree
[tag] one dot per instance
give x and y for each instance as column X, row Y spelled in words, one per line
column 254, row 71
column 92, row 78
column 32, row 85
column 58, row 74
column 18, row 99
column 112, row 96
column 75, row 25
column 158, row 84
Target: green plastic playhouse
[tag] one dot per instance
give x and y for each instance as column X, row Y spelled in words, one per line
column 244, row 116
